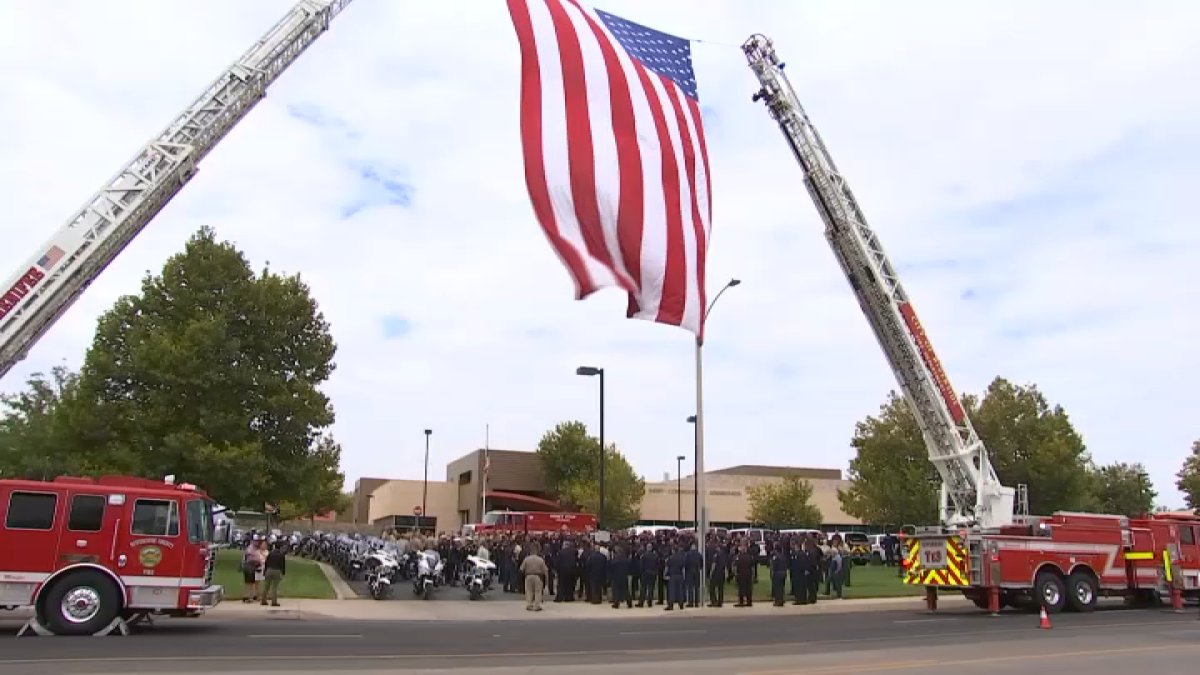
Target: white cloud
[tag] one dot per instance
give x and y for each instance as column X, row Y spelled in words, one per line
column 1037, row 158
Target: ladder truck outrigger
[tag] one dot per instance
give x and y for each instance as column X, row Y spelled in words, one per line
column 980, row 548
column 52, row 280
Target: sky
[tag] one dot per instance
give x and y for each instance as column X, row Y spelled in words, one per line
column 1029, row 166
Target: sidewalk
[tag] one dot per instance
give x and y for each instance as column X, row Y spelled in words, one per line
column 485, row 610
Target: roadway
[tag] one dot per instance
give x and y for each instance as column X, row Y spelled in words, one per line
column 1113, row 641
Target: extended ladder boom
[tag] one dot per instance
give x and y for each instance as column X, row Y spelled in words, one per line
column 971, row 492
column 50, row 282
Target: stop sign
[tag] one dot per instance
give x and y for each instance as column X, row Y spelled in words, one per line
column 417, row 510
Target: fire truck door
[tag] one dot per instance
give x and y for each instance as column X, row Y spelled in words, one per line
column 90, row 530
column 31, row 522
column 1189, row 556
column 150, row 551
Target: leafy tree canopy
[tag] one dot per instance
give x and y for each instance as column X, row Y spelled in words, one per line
column 1123, row 489
column 786, row 504
column 1188, row 478
column 1028, row 440
column 570, row 461
column 210, row 373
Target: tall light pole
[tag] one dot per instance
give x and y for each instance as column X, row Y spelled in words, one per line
column 701, row 497
column 589, row 371
column 695, row 458
column 425, row 484
column 679, row 489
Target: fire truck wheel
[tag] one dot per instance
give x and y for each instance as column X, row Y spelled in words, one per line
column 1050, row 591
column 1081, row 589
column 81, row 603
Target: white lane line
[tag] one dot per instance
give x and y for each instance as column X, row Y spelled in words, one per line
column 660, row 632
column 305, row 637
column 920, row 620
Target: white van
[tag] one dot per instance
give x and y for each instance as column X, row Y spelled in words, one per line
column 652, row 529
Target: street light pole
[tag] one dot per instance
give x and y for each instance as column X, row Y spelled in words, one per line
column 701, row 497
column 679, row 489
column 589, row 371
column 425, row 483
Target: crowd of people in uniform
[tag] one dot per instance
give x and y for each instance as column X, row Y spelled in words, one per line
column 649, row 569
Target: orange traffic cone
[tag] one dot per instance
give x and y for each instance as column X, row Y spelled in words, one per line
column 1044, row 621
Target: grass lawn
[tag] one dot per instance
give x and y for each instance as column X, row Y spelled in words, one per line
column 304, row 578
column 867, row 581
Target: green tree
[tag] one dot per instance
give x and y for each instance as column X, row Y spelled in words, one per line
column 1031, row 442
column 1123, row 489
column 31, row 428
column 1028, row 440
column 320, row 489
column 891, row 478
column 211, row 373
column 786, row 504
column 570, row 460
column 1188, row 478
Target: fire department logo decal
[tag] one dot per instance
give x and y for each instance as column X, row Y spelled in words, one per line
column 150, row 556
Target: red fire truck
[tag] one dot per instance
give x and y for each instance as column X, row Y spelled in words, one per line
column 1065, row 561
column 88, row 554
column 982, row 546
column 526, row 522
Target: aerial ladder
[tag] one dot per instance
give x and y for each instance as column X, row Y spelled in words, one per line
column 49, row 283
column 971, row 494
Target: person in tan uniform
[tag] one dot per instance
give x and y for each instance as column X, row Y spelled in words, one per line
column 533, row 567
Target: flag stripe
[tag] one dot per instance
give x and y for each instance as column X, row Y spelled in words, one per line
column 581, row 157
column 630, row 209
column 614, row 151
column 531, row 142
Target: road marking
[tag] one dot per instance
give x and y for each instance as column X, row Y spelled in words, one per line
column 304, row 637
column 920, row 620
column 909, row 665
column 662, row 632
column 751, row 647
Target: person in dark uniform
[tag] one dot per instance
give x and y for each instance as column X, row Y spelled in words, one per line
column 596, row 565
column 693, row 561
column 635, row 569
column 743, row 568
column 566, row 564
column 650, row 564
column 664, row 552
column 618, row 578
column 675, row 571
column 796, row 560
column 550, row 556
column 779, row 570
column 718, row 569
column 816, row 561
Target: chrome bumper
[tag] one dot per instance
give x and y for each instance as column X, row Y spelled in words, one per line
column 205, row 598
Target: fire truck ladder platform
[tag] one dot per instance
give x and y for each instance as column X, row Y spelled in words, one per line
column 119, row 625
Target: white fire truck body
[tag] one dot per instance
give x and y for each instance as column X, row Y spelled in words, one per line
column 88, row 552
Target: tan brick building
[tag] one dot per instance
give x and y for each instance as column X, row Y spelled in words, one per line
column 515, row 482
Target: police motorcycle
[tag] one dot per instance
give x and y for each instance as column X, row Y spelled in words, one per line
column 381, row 568
column 479, row 576
column 429, row 573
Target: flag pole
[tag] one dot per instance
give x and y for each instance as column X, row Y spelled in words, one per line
column 487, row 444
column 699, row 482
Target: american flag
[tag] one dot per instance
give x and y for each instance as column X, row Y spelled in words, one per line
column 615, row 158
column 51, row 258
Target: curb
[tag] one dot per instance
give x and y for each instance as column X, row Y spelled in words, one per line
column 341, row 589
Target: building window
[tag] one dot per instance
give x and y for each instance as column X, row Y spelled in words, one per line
column 464, row 478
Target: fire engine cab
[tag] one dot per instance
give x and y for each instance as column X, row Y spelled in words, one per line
column 89, row 554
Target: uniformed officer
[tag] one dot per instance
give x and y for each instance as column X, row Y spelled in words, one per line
column 796, row 562
column 779, row 570
column 675, row 571
column 693, row 561
column 618, row 578
column 566, row 573
column 718, row 569
column 650, row 565
column 743, row 566
column 596, row 565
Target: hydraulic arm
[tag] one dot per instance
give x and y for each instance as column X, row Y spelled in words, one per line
column 971, row 492
column 49, row 283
